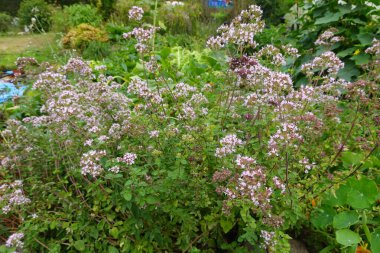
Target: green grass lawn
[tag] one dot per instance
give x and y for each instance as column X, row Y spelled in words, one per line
column 41, row 46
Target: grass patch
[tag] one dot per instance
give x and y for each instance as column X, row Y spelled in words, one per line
column 41, row 46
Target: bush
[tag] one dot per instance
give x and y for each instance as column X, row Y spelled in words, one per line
column 82, row 13
column 80, row 36
column 59, row 21
column 211, row 151
column 122, row 7
column 96, row 50
column 5, row 22
column 105, row 7
column 180, row 17
column 35, row 15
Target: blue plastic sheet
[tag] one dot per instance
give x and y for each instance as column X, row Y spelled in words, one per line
column 9, row 90
column 220, row 3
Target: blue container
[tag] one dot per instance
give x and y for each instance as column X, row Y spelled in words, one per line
column 9, row 90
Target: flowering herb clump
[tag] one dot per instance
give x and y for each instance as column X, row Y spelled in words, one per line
column 157, row 161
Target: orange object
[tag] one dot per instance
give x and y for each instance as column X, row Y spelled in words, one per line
column 361, row 249
column 313, row 203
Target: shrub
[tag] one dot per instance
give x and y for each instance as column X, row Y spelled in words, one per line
column 122, row 8
column 96, row 50
column 180, row 17
column 59, row 21
column 35, row 15
column 80, row 36
column 105, row 7
column 82, row 13
column 5, row 22
column 231, row 157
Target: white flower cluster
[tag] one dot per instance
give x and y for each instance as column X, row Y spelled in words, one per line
column 175, row 3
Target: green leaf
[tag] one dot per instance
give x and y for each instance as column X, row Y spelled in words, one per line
column 79, row 245
column 114, row 232
column 345, row 219
column 346, row 52
column 375, row 240
column 112, row 249
column 226, row 224
column 347, row 237
column 127, row 195
column 161, row 25
column 361, row 59
column 322, row 217
column 363, row 193
column 350, row 70
column 328, row 249
column 165, row 52
column 113, row 176
column 365, row 38
column 328, row 18
column 350, row 158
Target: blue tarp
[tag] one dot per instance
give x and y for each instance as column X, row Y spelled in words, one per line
column 9, row 90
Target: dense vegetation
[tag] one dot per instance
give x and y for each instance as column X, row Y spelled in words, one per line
column 155, row 128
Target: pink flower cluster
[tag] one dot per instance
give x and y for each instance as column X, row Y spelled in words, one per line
column 375, row 48
column 90, row 163
column 328, row 38
column 11, row 196
column 287, row 136
column 135, row 13
column 128, row 158
column 241, row 30
column 15, row 240
column 251, row 186
column 229, row 145
column 327, row 61
column 143, row 36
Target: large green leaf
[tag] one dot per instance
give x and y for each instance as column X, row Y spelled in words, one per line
column 350, row 70
column 361, row 59
column 350, row 158
column 322, row 217
column 328, row 18
column 347, row 237
column 363, row 193
column 345, row 219
column 365, row 38
column 346, row 52
column 375, row 240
